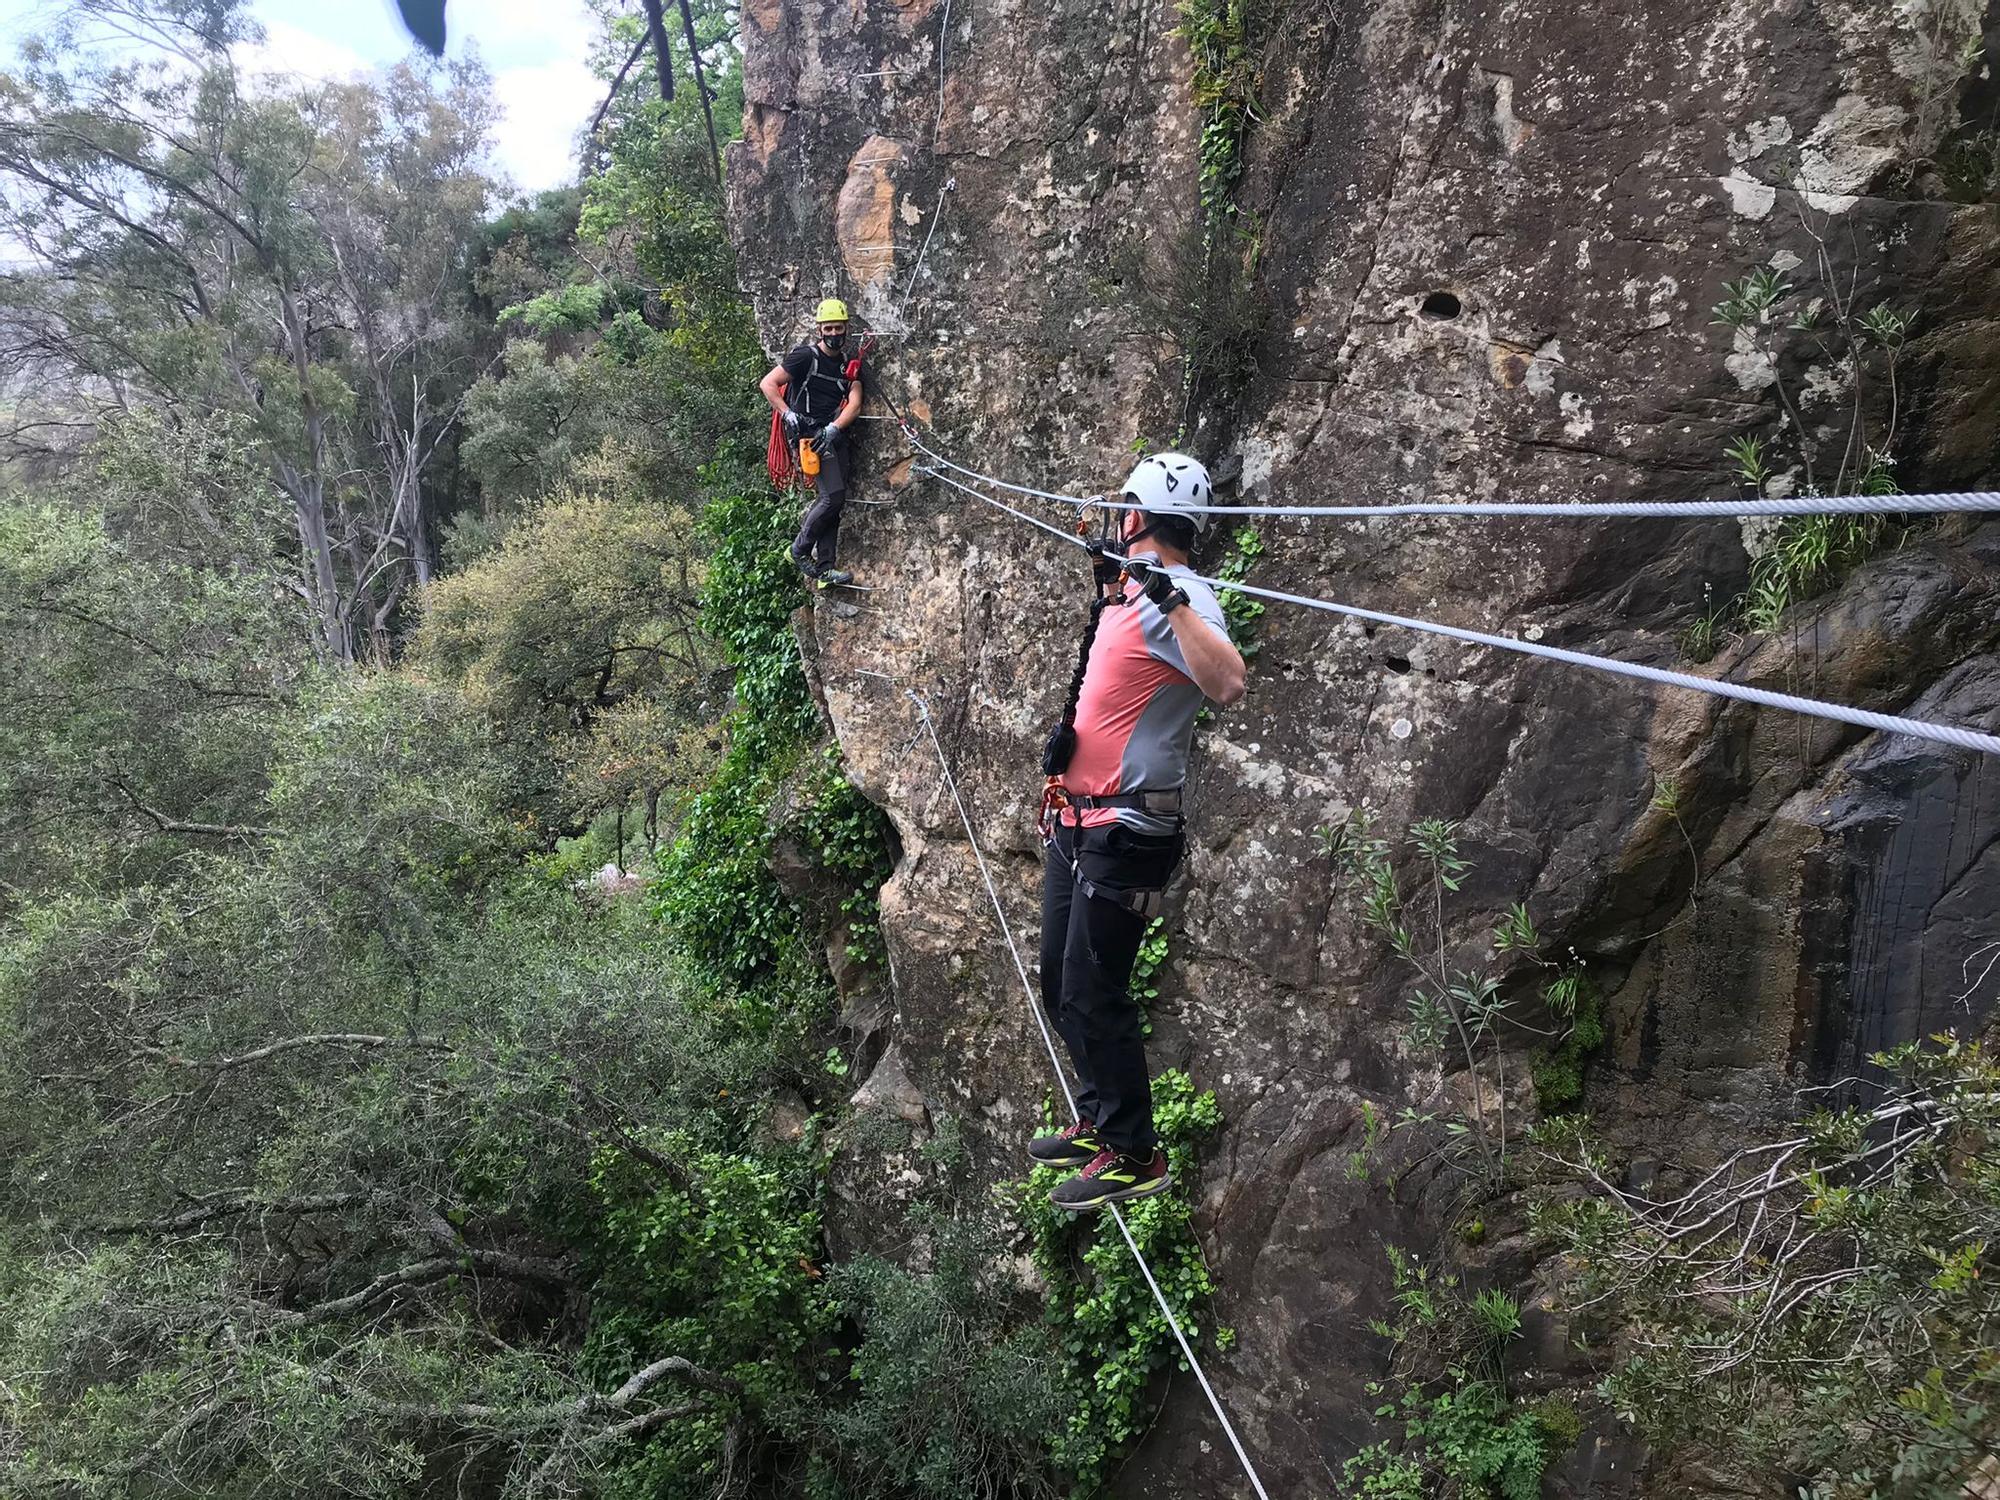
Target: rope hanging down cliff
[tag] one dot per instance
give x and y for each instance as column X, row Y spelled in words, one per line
column 1062, row 1081
column 1948, row 734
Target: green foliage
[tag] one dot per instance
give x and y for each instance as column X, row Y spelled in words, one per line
column 1559, row 1069
column 1217, row 34
column 1802, row 556
column 293, row 254
column 720, row 1268
column 1462, row 1433
column 1820, row 1304
column 1205, row 300
column 1358, row 1162
column 1109, row 1330
column 747, row 602
column 851, row 839
column 1460, row 1012
column 571, row 307
column 1144, row 985
column 955, row 1394
column 736, row 930
column 589, row 601
column 1805, row 556
column 148, row 641
column 1244, row 612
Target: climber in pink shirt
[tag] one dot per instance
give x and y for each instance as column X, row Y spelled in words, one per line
column 1156, row 651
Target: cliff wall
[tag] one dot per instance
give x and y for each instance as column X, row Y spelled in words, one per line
column 1482, row 242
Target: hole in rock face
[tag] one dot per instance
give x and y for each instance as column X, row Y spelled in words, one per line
column 1441, row 305
column 1397, row 664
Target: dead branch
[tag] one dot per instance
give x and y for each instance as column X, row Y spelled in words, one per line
column 242, row 1203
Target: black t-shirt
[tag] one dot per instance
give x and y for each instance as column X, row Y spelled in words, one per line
column 816, row 386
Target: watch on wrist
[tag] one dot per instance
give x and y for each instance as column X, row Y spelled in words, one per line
column 1174, row 600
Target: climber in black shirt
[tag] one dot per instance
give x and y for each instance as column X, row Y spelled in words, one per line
column 816, row 389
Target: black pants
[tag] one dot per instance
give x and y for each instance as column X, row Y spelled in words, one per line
column 1088, row 945
column 819, row 535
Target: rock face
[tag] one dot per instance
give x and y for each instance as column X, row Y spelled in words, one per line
column 1484, row 240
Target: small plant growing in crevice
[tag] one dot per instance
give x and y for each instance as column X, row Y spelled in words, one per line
column 1856, row 353
column 1217, row 323
column 1457, row 1012
column 1463, row 1431
column 1359, row 1160
column 1244, row 612
column 1146, row 966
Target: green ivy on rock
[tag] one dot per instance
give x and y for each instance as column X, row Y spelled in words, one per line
column 1099, row 1308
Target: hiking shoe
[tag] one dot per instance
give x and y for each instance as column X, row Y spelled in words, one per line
column 1076, row 1146
column 806, row 566
column 833, row 578
column 1112, row 1178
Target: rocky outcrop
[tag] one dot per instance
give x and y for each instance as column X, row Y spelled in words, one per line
column 1485, row 240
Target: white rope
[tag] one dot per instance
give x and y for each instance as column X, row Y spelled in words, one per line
column 1946, row 734
column 965, row 817
column 950, row 185
column 1035, row 1008
column 1800, row 505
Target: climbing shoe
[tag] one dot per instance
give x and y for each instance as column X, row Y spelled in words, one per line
column 1076, row 1146
column 833, row 578
column 1112, row 1178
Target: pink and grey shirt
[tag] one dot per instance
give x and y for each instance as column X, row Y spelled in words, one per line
column 1135, row 716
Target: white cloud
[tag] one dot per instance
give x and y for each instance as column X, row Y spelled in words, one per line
column 523, row 33
column 292, row 50
column 537, row 51
column 545, row 106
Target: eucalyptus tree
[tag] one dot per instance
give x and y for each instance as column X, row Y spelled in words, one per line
column 186, row 236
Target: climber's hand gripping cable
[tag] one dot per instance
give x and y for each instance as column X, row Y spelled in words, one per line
column 1157, row 584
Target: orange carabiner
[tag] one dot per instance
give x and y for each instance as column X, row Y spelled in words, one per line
column 1055, row 797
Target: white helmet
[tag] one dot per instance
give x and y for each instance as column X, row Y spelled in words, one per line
column 1170, row 484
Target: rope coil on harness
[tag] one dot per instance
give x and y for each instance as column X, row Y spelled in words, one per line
column 1062, row 1081
column 1947, row 734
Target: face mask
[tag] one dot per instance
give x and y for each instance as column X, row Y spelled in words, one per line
column 833, row 341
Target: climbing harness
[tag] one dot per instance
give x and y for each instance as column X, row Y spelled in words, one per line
column 791, row 471
column 1062, row 1081
column 1947, row 734
column 1107, row 575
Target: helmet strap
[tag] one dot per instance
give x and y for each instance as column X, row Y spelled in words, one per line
column 1142, row 533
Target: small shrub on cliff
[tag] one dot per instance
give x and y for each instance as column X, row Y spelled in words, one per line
column 1462, row 1432
column 851, row 838
column 953, row 1391
column 1822, row 1304
column 1459, row 1013
column 1776, row 327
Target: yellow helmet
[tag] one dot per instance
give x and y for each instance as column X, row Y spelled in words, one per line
column 832, row 310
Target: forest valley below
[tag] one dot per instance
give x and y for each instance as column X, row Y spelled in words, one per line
column 380, row 560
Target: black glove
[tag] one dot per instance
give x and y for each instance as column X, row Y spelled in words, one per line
column 794, row 424
column 1105, row 565
column 1156, row 583
column 828, row 439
